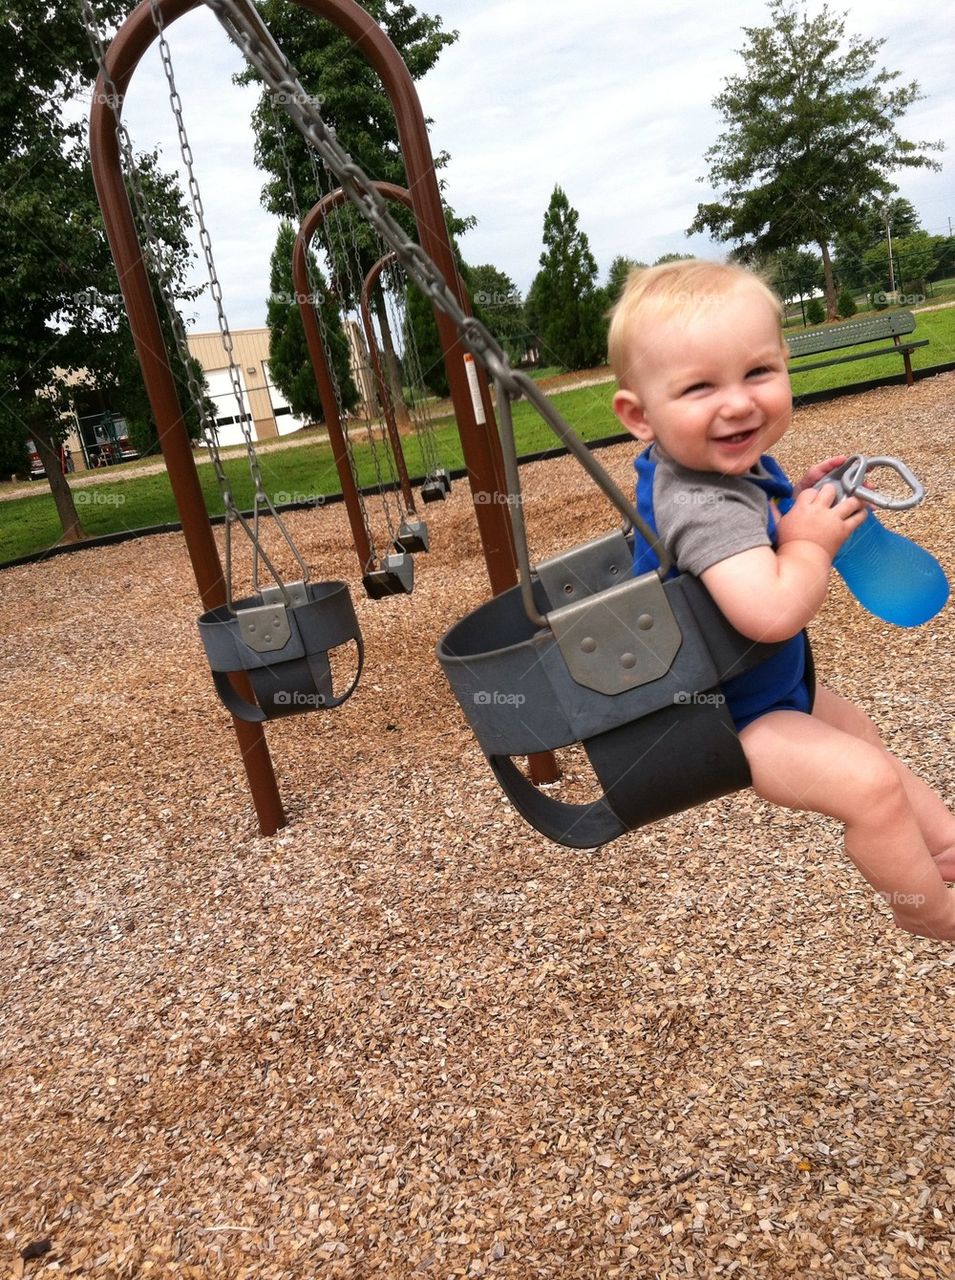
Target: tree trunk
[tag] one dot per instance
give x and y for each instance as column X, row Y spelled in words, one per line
column 392, row 370
column 49, row 453
column 828, row 283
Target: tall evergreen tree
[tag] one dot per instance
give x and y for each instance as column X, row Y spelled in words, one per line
column 564, row 306
column 354, row 103
column 810, row 139
column 289, row 364
column 617, row 276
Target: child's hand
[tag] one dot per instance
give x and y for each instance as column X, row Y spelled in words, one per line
column 821, row 469
column 813, row 518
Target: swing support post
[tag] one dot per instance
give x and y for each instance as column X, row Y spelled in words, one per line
column 480, row 442
column 123, row 56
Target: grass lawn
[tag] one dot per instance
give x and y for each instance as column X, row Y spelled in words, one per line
column 132, row 501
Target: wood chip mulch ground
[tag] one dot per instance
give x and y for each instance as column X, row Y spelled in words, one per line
column 408, row 1037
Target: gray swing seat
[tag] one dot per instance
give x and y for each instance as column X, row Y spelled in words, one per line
column 631, row 668
column 412, row 537
column 436, row 487
column 394, row 577
column 282, row 647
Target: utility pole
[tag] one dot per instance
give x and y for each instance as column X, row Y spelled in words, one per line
column 887, row 215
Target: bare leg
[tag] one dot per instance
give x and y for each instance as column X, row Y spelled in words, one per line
column 936, row 821
column 803, row 762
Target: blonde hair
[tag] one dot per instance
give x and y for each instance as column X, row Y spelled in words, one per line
column 685, row 289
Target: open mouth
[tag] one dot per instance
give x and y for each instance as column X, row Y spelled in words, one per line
column 740, row 438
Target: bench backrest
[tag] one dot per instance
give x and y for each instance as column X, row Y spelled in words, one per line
column 851, row 333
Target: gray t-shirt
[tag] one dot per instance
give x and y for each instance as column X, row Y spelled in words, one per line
column 703, row 517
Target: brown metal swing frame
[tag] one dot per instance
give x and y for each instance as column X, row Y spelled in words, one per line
column 480, row 444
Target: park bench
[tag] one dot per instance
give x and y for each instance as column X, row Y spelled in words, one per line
column 853, row 334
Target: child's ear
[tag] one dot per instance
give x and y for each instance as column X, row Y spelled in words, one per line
column 627, row 407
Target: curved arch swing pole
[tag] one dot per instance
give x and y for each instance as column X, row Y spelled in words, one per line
column 384, row 391
column 479, row 438
column 131, row 42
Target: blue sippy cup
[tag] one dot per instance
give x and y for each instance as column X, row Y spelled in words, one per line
column 891, row 576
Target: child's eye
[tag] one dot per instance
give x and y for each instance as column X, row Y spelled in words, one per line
column 759, row 371
column 696, row 386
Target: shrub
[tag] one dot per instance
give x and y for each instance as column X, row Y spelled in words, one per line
column 846, row 305
column 815, row 311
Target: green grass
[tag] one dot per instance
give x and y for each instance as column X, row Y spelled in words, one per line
column 131, row 501
column 303, row 474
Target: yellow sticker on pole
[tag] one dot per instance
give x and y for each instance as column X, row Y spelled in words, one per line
column 476, row 402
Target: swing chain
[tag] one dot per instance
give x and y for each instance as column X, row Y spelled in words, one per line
column 333, row 228
column 315, row 301
column 261, row 500
column 246, row 28
column 152, row 256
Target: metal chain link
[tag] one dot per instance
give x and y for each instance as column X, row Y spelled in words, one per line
column 261, row 500
column 315, row 302
column 421, row 414
column 245, row 27
column 151, row 246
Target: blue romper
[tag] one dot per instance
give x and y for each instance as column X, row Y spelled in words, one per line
column 784, row 681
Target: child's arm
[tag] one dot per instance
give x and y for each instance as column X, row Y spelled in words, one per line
column 770, row 595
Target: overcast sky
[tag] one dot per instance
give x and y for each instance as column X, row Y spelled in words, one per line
column 609, row 99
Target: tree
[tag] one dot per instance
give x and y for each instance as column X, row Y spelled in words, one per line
column 564, row 306
column 501, row 307
column 851, row 247
column 289, row 363
column 810, row 137
column 354, row 103
column 487, row 288
column 914, row 259
column 60, row 310
column 620, row 269
column 798, row 273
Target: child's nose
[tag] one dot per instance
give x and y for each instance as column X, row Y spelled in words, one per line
column 737, row 402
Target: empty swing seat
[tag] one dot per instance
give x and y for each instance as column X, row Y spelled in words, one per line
column 412, row 536
column 436, row 487
column 393, row 577
column 282, row 647
column 629, row 667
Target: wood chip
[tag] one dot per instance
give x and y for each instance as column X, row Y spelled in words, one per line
column 409, row 1037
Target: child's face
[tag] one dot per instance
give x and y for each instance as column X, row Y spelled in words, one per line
column 712, row 391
